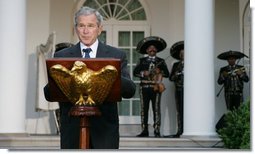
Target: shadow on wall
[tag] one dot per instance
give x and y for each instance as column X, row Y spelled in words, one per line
column 36, row 122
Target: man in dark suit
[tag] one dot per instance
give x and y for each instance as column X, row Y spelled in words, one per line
column 232, row 77
column 151, row 69
column 177, row 76
column 104, row 129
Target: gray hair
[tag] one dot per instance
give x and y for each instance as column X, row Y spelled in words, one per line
column 88, row 11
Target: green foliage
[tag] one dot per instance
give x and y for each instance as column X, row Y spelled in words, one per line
column 236, row 132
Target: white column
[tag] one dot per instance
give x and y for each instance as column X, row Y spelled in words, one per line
column 12, row 66
column 199, row 93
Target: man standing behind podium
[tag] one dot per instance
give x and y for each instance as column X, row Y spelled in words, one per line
column 104, row 129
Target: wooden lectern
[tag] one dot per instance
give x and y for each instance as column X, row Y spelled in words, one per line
column 82, row 111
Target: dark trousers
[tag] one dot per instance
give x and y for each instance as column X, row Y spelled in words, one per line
column 148, row 95
column 233, row 100
column 179, row 109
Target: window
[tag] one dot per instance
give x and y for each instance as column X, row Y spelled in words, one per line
column 118, row 9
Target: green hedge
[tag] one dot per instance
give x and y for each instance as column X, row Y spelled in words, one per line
column 236, row 132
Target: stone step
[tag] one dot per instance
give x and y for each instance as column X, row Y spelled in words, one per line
column 52, row 142
column 170, row 143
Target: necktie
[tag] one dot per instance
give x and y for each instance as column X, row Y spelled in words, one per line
column 87, row 51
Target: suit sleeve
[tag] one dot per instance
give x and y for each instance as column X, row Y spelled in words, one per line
column 221, row 79
column 172, row 76
column 46, row 92
column 128, row 87
column 244, row 77
column 137, row 70
column 164, row 69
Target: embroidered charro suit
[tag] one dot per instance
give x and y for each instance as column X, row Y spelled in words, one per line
column 233, row 85
column 177, row 76
column 147, row 92
column 104, row 129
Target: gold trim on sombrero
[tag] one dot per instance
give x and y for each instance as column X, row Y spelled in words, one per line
column 158, row 42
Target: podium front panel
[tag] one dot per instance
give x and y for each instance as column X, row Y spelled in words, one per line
column 95, row 64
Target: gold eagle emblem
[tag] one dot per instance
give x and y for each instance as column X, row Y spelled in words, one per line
column 82, row 85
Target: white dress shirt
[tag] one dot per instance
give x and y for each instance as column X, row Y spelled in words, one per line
column 93, row 47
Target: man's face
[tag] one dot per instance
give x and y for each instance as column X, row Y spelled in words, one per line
column 231, row 61
column 151, row 50
column 87, row 29
column 182, row 55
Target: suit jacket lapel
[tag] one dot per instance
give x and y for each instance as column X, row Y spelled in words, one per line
column 101, row 50
column 76, row 51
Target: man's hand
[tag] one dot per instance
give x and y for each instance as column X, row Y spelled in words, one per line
column 146, row 73
column 224, row 74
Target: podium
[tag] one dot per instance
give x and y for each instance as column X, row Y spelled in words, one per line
column 84, row 111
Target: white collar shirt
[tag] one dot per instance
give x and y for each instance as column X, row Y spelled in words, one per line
column 93, row 47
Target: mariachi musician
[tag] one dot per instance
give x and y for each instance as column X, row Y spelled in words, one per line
column 232, row 77
column 151, row 69
column 177, row 76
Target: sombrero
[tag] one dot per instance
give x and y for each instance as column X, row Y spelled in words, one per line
column 63, row 45
column 230, row 53
column 158, row 42
column 176, row 48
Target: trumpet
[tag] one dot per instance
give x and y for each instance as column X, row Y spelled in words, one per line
column 233, row 72
column 242, row 69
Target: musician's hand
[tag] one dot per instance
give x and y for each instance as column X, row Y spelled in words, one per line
column 157, row 70
column 146, row 73
column 225, row 74
column 239, row 72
